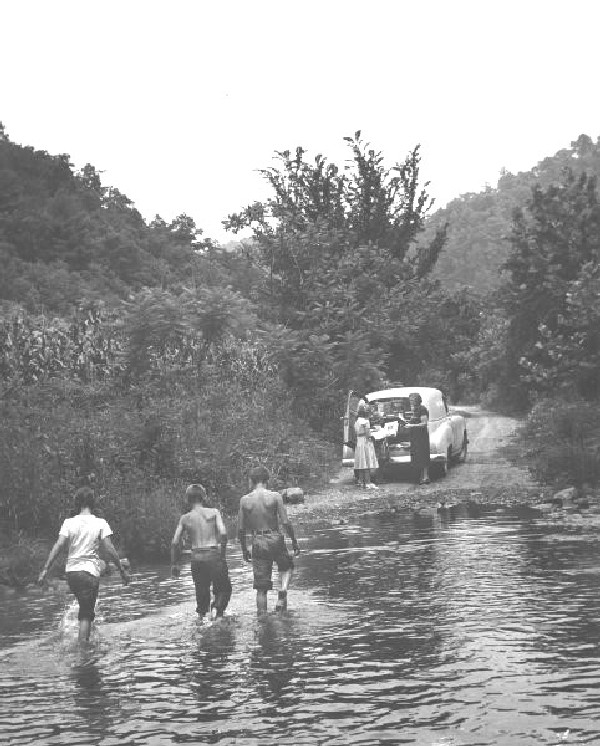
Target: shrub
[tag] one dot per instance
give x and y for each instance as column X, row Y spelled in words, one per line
column 142, row 445
column 560, row 442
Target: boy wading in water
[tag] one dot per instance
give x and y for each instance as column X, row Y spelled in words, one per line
column 84, row 535
column 263, row 514
column 208, row 536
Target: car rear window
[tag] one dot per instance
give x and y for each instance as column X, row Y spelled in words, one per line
column 391, row 407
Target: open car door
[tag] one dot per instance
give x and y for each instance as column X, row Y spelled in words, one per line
column 349, row 434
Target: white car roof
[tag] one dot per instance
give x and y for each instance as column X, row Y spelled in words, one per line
column 425, row 392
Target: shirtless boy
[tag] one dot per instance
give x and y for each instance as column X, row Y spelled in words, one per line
column 263, row 514
column 84, row 535
column 208, row 536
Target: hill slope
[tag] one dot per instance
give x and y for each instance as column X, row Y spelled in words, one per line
column 480, row 223
column 64, row 236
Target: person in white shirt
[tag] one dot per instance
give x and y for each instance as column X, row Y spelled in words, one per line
column 84, row 535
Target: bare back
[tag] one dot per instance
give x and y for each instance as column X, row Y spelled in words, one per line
column 204, row 527
column 262, row 510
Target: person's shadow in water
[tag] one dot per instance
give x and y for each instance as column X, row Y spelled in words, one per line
column 275, row 658
column 93, row 701
column 210, row 677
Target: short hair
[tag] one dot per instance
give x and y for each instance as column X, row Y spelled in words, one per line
column 259, row 474
column 195, row 493
column 84, row 498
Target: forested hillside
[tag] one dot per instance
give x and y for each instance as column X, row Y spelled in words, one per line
column 480, row 223
column 65, row 238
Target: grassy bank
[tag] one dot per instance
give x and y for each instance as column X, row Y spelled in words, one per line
column 139, row 445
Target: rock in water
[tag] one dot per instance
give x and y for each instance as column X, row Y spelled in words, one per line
column 293, row 495
column 565, row 497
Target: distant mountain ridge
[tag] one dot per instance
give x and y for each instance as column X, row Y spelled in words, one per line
column 480, row 223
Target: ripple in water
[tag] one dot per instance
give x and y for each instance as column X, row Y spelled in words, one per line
column 402, row 629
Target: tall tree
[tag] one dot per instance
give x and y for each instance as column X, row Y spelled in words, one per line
column 319, row 214
column 555, row 246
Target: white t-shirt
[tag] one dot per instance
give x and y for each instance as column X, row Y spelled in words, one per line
column 84, row 533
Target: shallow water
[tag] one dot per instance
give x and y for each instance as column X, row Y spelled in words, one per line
column 437, row 630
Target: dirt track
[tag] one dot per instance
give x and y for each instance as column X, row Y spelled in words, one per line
column 485, row 466
column 486, row 477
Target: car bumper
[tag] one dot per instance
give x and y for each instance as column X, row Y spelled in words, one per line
column 437, row 458
column 405, row 458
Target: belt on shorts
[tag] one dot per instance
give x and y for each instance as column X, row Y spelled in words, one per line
column 265, row 533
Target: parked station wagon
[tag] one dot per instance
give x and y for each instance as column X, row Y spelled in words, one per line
column 447, row 431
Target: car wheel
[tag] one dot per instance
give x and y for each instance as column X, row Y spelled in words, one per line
column 462, row 456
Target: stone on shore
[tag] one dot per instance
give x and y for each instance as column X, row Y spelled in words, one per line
column 544, row 507
column 293, row 495
column 565, row 497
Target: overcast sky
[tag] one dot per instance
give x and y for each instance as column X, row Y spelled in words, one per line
column 179, row 102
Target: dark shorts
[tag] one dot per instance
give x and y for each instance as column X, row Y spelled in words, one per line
column 209, row 568
column 267, row 549
column 84, row 586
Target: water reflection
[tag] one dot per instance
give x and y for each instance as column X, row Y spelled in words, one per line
column 88, row 691
column 206, row 669
column 274, row 656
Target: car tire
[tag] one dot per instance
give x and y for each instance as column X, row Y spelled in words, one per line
column 441, row 467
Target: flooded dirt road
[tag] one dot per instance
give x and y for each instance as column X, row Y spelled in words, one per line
column 486, row 477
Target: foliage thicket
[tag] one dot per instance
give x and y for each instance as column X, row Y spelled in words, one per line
column 538, row 347
column 130, row 354
column 560, row 442
column 192, row 399
column 345, row 282
column 540, row 335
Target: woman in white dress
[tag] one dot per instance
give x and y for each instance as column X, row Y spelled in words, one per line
column 365, row 459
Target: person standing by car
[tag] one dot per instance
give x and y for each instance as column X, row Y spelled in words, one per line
column 417, row 419
column 365, row 458
column 84, row 535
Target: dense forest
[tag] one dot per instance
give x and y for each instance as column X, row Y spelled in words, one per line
column 138, row 356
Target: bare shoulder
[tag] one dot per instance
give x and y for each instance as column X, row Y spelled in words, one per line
column 274, row 497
